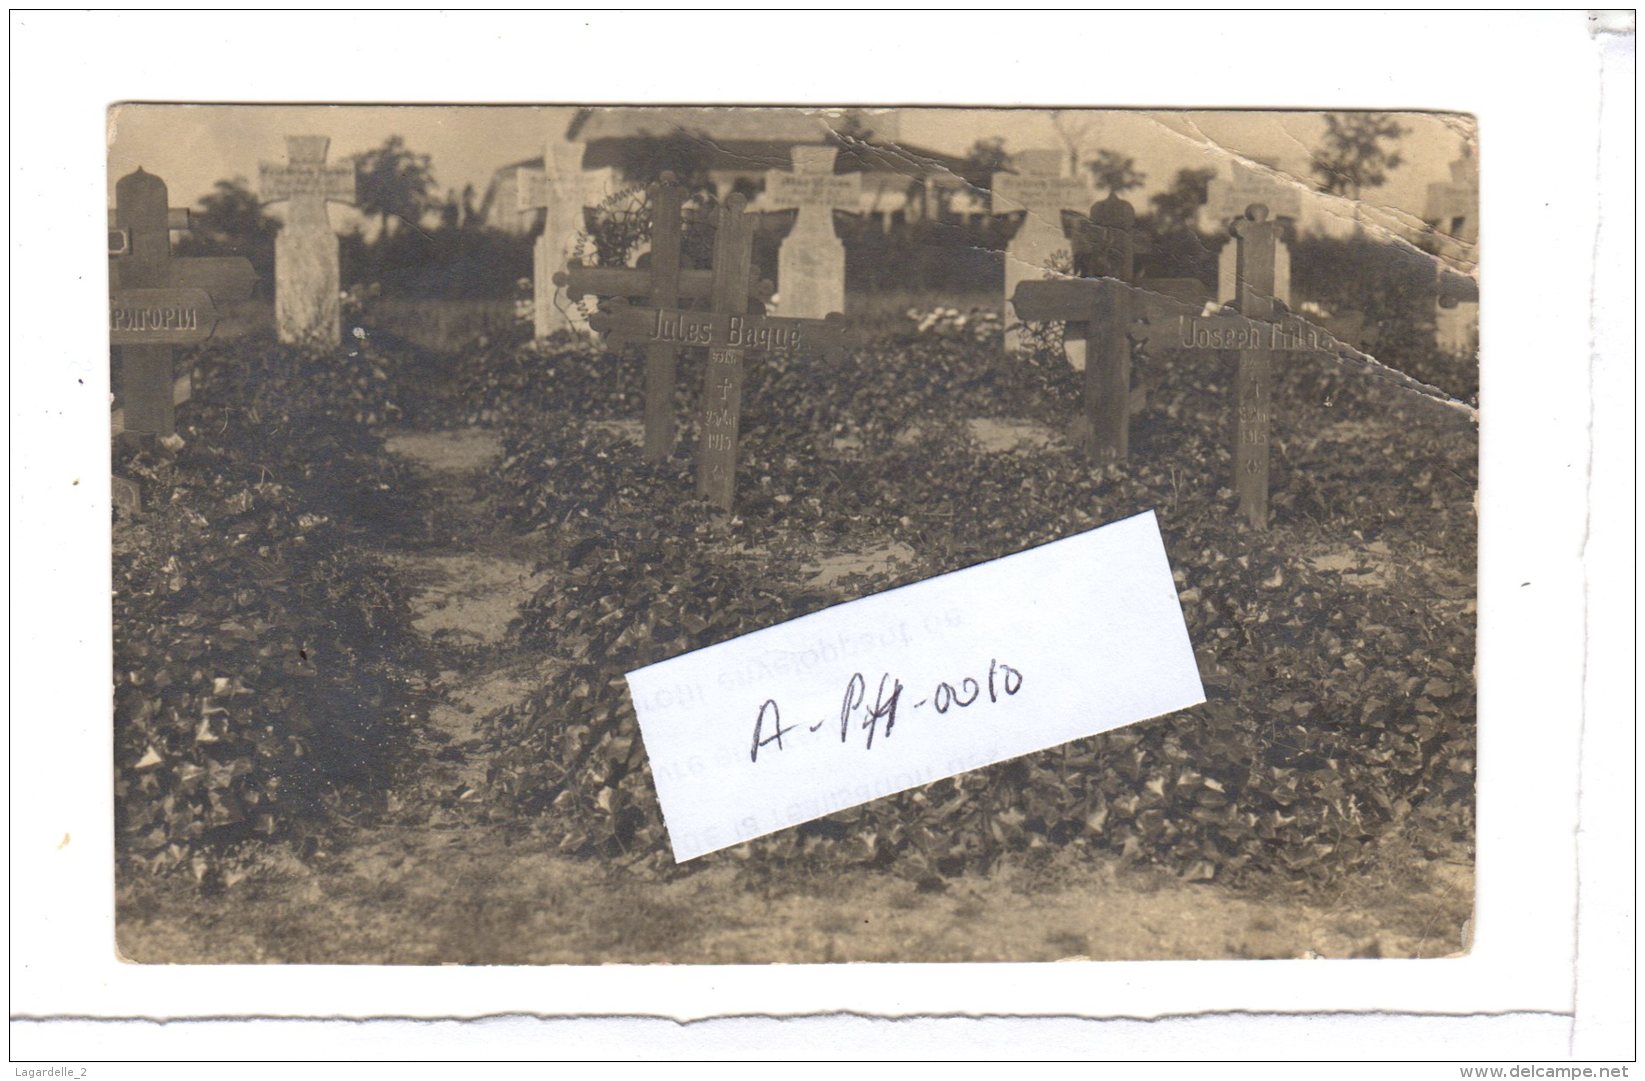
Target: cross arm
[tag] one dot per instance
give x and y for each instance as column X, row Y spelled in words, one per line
column 1182, row 328
column 177, row 218
column 1158, row 318
column 160, row 316
column 799, row 191
column 1065, row 299
column 623, row 324
column 1057, row 299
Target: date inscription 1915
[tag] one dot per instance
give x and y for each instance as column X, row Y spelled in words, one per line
column 1002, row 681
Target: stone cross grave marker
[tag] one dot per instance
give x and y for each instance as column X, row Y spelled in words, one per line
column 1255, row 333
column 1225, row 203
column 157, row 302
column 811, row 261
column 1043, row 194
column 561, row 189
column 307, row 308
column 1250, row 184
column 727, row 332
column 664, row 284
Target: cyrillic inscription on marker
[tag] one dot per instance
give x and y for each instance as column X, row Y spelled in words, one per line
column 161, row 316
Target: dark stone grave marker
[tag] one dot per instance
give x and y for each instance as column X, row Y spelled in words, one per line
column 157, row 302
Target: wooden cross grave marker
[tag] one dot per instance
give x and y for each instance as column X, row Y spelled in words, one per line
column 307, row 308
column 1105, row 246
column 157, row 302
column 664, row 284
column 1254, row 332
column 727, row 332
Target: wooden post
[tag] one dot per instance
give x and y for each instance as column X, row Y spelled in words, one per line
column 1173, row 320
column 1108, row 374
column 145, row 370
column 723, row 383
column 1108, row 349
column 1254, row 284
column 660, row 357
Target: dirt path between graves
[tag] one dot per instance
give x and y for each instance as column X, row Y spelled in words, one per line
column 460, row 887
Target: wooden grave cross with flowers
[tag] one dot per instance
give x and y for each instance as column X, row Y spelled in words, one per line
column 727, row 331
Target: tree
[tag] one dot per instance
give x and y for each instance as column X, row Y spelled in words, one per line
column 231, row 221
column 1072, row 128
column 985, row 158
column 1177, row 208
column 1116, row 173
column 231, row 215
column 392, row 183
column 853, row 128
column 688, row 156
column 1351, row 157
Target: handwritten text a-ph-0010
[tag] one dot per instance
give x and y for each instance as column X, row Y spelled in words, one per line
column 1001, row 681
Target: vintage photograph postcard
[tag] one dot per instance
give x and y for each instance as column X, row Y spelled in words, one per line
column 715, row 535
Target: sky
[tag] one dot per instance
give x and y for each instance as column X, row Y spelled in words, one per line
column 191, row 147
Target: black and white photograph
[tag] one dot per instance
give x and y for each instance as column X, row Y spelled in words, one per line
column 811, row 536
column 710, row 534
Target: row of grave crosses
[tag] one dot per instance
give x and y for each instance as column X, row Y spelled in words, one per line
column 1046, row 214
column 1111, row 313
column 810, row 262
column 158, row 302
column 728, row 330
column 1106, row 309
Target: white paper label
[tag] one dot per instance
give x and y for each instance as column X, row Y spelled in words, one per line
column 903, row 688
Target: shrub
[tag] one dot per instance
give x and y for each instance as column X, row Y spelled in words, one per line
column 258, row 654
column 1331, row 722
column 1397, row 287
column 450, row 263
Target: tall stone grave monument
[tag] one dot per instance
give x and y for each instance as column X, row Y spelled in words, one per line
column 811, row 261
column 307, row 310
column 562, row 190
column 1249, row 184
column 1040, row 189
